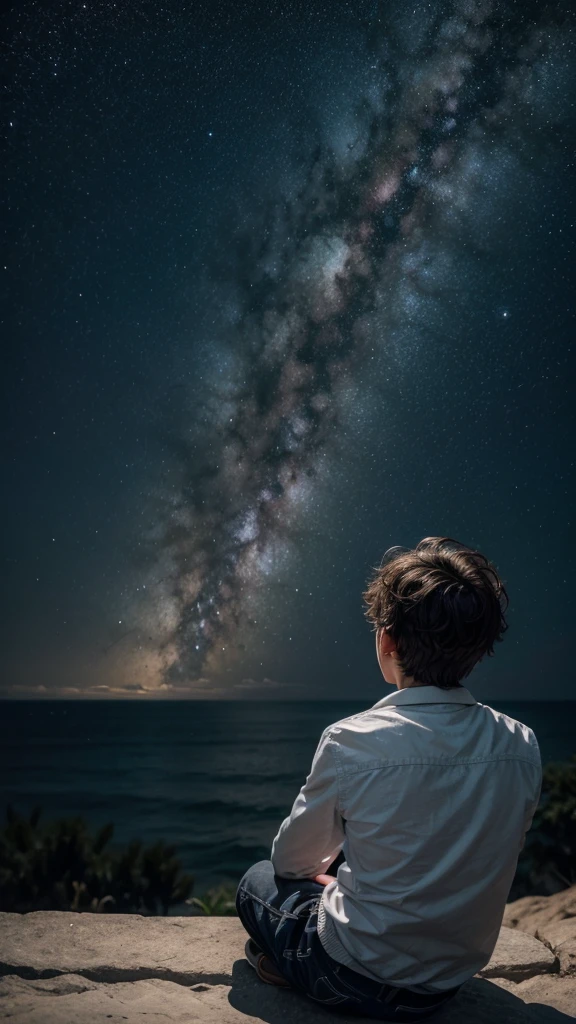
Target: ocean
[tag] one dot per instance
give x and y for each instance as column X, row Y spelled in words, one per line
column 215, row 778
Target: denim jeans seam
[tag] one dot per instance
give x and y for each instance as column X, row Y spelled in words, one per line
column 312, row 910
column 391, row 993
column 419, row 1012
column 427, row 1008
column 273, row 910
column 354, row 993
column 331, row 1001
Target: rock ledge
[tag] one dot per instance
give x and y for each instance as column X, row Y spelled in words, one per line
column 59, row 968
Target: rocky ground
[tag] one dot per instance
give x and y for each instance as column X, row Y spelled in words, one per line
column 65, row 968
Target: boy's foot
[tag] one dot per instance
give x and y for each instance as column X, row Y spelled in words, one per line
column 262, row 964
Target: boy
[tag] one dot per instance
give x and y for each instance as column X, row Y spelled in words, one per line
column 428, row 795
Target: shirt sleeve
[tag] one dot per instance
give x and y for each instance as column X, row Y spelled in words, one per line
column 313, row 834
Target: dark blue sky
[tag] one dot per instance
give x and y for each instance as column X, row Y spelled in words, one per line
column 284, row 285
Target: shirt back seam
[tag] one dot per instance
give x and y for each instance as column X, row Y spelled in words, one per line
column 435, row 763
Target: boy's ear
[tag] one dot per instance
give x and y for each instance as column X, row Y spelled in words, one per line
column 386, row 643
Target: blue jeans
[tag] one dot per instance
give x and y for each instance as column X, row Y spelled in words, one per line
column 281, row 915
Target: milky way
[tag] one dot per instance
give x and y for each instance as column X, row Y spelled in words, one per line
column 314, row 286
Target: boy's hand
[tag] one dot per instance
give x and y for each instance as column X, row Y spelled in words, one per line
column 324, row 879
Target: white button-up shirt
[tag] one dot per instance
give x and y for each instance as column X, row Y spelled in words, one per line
column 429, row 793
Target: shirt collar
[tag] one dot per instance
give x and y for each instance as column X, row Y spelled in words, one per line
column 426, row 695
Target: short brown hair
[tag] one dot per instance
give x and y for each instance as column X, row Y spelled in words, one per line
column 443, row 603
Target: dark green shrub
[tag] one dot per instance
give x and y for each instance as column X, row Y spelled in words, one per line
column 547, row 863
column 217, row 902
column 61, row 866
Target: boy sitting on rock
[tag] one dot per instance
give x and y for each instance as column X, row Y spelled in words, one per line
column 424, row 799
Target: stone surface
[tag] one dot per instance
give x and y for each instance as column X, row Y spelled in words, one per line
column 559, row 992
column 48, row 1001
column 127, row 947
column 518, row 956
column 120, row 947
column 532, row 913
column 561, row 937
column 76, row 1000
column 552, row 920
column 64, row 968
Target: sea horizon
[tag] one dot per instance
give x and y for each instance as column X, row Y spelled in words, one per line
column 214, row 778
column 140, row 698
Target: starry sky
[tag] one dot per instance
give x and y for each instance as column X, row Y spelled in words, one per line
column 284, row 284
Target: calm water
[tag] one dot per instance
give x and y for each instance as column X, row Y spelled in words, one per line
column 215, row 778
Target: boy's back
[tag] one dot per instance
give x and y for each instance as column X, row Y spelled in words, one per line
column 428, row 794
column 436, row 792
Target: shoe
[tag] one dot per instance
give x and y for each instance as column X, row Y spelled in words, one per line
column 262, row 964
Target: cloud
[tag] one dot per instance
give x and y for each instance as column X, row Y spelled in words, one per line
column 199, row 688
column 262, row 684
column 199, row 683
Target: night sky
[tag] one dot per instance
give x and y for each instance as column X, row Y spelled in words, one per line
column 284, row 285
